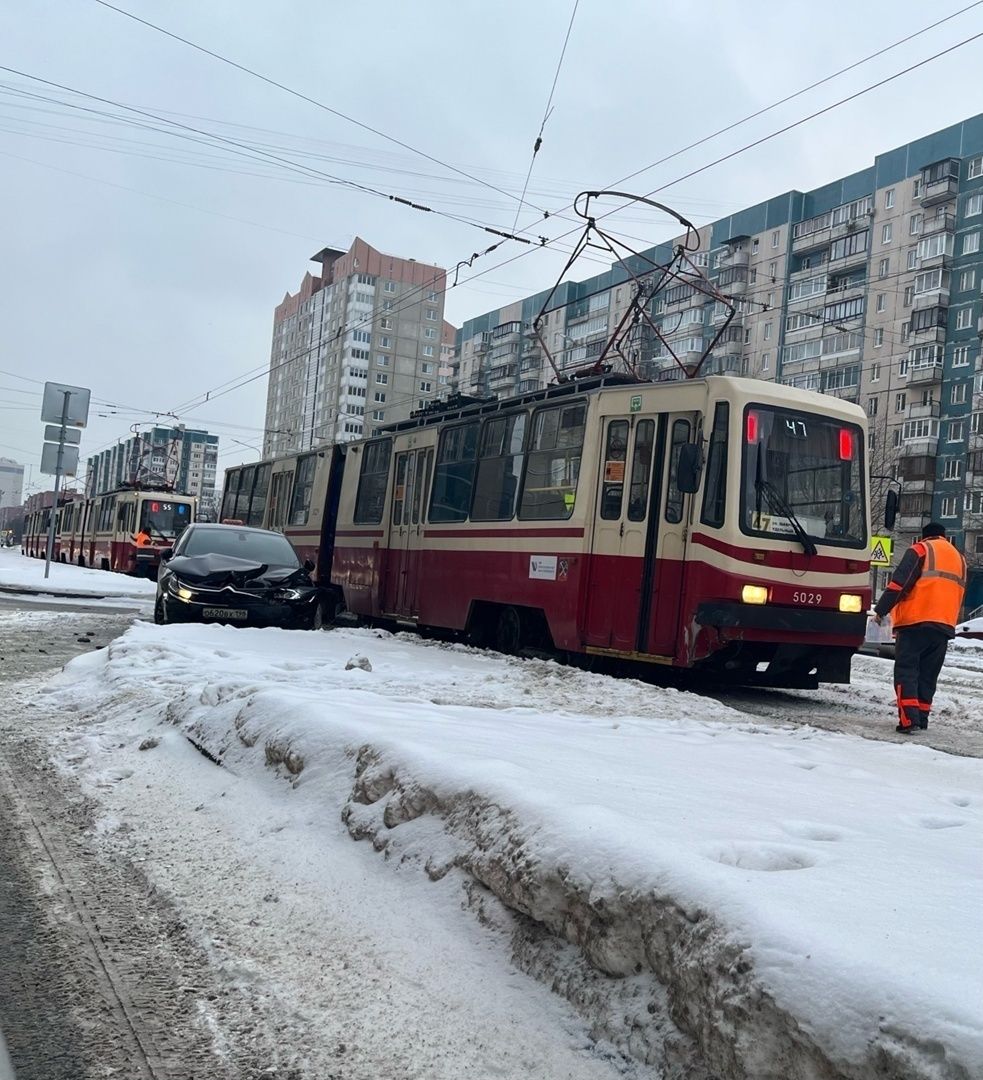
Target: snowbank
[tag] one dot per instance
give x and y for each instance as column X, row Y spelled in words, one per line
column 19, row 572
column 771, row 902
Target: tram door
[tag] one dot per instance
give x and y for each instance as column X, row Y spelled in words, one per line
column 407, row 521
column 636, row 571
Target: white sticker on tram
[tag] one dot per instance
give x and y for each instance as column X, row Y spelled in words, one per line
column 543, row 567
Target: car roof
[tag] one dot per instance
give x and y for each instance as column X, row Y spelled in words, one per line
column 208, row 525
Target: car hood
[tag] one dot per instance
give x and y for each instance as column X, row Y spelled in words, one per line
column 219, row 570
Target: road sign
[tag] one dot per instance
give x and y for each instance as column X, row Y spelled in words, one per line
column 881, row 550
column 69, row 460
column 52, row 433
column 53, row 405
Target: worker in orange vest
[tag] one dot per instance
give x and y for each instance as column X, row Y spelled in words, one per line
column 923, row 598
column 143, row 539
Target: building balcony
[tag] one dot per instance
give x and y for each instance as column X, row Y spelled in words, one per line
column 918, row 487
column 925, row 374
column 922, row 411
column 718, row 364
column 928, row 446
column 819, row 239
column 845, row 290
column 941, row 223
column 856, row 258
column 733, row 258
column 844, row 393
column 931, row 335
column 940, row 191
column 935, row 298
column 912, row 522
column 941, row 261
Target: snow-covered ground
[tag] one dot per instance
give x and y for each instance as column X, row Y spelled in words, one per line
column 17, row 571
column 712, row 892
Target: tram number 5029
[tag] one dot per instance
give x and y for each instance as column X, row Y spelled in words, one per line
column 807, row 598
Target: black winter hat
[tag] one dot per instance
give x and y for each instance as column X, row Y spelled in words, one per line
column 933, row 528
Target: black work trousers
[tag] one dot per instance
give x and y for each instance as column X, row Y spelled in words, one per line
column 919, row 652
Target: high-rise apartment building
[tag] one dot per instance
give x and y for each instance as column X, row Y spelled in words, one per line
column 181, row 458
column 357, row 346
column 869, row 288
column 11, row 483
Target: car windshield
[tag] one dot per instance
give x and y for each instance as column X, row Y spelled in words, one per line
column 803, row 469
column 261, row 547
column 161, row 518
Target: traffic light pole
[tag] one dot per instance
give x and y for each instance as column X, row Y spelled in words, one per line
column 54, row 501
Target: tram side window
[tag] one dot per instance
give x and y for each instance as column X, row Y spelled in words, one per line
column 257, row 508
column 453, row 479
column 715, row 491
column 499, row 468
column 300, row 504
column 106, row 515
column 371, row 498
column 615, row 458
column 553, row 465
column 229, row 497
column 241, row 511
column 674, row 498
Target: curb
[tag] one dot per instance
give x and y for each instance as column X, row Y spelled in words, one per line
column 20, row 590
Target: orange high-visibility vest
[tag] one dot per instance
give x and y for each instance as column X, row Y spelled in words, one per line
column 937, row 595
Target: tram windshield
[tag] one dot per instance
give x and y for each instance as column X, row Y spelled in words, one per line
column 164, row 519
column 802, row 477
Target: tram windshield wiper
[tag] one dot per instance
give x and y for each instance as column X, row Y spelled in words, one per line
column 777, row 501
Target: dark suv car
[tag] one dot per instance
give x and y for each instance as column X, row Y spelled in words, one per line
column 234, row 574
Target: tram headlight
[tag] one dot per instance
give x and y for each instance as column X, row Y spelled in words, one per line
column 754, row 594
column 851, row 602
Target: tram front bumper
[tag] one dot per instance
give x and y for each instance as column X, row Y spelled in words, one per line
column 728, row 614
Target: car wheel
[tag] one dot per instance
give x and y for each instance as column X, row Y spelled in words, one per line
column 160, row 612
column 508, row 631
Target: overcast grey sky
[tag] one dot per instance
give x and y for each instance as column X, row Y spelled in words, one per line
column 147, row 266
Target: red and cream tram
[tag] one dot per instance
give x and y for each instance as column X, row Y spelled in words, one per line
column 717, row 523
column 123, row 530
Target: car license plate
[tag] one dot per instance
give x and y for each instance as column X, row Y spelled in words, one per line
column 224, row 613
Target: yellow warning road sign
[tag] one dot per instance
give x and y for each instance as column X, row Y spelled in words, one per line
column 881, row 549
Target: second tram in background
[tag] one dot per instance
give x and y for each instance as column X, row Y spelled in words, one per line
column 124, row 530
column 717, row 523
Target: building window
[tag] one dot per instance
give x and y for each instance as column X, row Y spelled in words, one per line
column 875, row 372
column 964, row 318
column 960, row 356
column 914, row 224
column 773, row 270
column 887, row 233
column 390, row 286
column 889, row 198
column 427, row 369
column 871, row 440
column 897, row 438
column 975, row 168
column 905, row 330
column 754, row 246
column 949, row 506
column 878, row 337
column 775, row 238
column 912, row 258
column 385, row 342
column 967, row 280
column 909, row 295
column 971, row 243
column 362, row 336
column 747, row 337
column 430, row 333
column 386, row 323
column 900, row 401
column 382, row 361
column 881, row 301
column 871, row 406
column 767, row 331
column 432, row 297
column 379, row 397
column 426, row 387
column 974, row 204
column 382, row 378
column 378, row 414
column 428, row 350
column 431, row 315
column 903, row 364
column 884, row 268
column 916, row 188
column 387, row 305
column 957, row 394
column 957, row 430
column 765, row 361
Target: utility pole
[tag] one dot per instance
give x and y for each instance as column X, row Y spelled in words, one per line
column 65, row 409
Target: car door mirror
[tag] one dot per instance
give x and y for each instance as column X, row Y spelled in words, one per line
column 309, row 566
column 688, row 468
column 166, row 554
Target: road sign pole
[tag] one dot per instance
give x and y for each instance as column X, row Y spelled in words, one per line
column 54, row 501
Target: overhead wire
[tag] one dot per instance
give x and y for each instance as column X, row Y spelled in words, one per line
column 546, row 115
